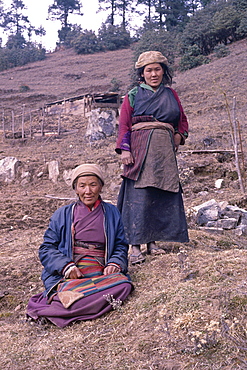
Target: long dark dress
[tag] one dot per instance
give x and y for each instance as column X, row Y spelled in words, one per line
column 150, row 197
column 151, row 214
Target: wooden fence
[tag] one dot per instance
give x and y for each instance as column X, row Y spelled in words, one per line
column 52, row 118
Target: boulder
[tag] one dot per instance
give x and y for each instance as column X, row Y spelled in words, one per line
column 9, row 169
column 101, row 124
column 53, row 170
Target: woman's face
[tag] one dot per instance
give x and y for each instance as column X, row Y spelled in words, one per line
column 153, row 75
column 88, row 189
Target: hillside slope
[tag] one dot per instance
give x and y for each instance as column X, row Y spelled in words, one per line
column 64, row 74
column 188, row 310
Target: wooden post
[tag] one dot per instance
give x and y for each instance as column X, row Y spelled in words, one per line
column 3, row 121
column 22, row 122
column 13, row 123
column 235, row 144
column 43, row 122
column 84, row 106
column 59, row 124
column 30, row 121
column 242, row 151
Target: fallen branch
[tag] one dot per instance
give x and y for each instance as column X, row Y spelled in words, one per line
column 208, row 151
column 61, row 198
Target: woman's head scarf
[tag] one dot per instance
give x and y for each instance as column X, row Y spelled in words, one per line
column 149, row 57
column 87, row 169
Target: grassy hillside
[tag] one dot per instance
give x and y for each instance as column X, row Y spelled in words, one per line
column 64, row 74
column 204, row 91
column 188, row 310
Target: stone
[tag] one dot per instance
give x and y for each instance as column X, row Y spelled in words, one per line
column 219, row 183
column 101, row 124
column 67, row 176
column 53, row 170
column 227, row 223
column 205, row 214
column 9, row 169
column 241, row 230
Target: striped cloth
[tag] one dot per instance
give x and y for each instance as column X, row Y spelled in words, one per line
column 70, row 290
column 139, row 146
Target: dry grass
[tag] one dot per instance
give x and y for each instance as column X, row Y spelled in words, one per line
column 188, row 310
column 62, row 75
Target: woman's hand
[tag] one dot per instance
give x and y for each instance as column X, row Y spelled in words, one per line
column 126, row 157
column 177, row 141
column 74, row 273
column 111, row 269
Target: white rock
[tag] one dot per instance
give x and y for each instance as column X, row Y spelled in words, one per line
column 219, row 183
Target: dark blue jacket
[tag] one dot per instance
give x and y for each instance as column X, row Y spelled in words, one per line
column 56, row 250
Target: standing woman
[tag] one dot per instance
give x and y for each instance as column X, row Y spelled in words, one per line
column 152, row 125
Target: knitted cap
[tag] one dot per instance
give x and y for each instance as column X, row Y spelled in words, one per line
column 149, row 57
column 87, row 169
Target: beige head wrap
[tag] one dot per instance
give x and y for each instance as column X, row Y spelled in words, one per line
column 87, row 169
column 149, row 57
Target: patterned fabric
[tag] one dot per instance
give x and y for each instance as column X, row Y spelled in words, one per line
column 92, row 282
column 139, row 146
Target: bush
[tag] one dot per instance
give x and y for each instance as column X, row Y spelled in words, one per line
column 114, row 37
column 221, row 51
column 192, row 58
column 86, row 43
column 242, row 29
column 116, row 84
column 68, row 35
column 24, row 88
column 15, row 57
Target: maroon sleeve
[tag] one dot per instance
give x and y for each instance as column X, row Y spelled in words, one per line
column 183, row 126
column 125, row 124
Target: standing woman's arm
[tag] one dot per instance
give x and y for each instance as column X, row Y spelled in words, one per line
column 123, row 146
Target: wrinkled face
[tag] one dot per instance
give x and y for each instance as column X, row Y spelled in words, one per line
column 153, row 75
column 88, row 189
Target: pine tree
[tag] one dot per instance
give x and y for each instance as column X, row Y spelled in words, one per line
column 61, row 9
column 171, row 13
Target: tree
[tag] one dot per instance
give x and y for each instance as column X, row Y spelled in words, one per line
column 240, row 5
column 16, row 41
column 109, row 4
column 14, row 19
column 86, row 43
column 199, row 31
column 193, row 6
column 225, row 23
column 123, row 7
column 172, row 13
column 118, row 7
column 17, row 24
column 61, row 9
column 113, row 37
column 150, row 4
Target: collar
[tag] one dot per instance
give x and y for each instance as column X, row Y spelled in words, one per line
column 147, row 87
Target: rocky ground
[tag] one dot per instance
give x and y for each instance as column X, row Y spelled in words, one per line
column 188, row 310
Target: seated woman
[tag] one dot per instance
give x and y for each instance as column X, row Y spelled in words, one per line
column 84, row 255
